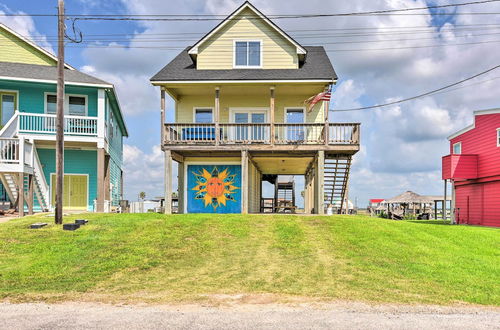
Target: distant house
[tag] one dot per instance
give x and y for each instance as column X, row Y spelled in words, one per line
column 473, row 167
column 93, row 132
column 240, row 119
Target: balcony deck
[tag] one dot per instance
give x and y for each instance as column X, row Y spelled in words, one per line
column 341, row 137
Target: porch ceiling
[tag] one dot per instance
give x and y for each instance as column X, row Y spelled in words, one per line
column 244, row 89
column 283, row 165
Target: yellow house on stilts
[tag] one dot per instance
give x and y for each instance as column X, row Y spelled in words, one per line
column 240, row 119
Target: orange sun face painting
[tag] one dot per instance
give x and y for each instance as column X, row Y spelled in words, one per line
column 215, row 188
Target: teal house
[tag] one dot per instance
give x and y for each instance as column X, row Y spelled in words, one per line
column 94, row 129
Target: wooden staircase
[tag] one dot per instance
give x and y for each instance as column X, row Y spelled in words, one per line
column 285, row 195
column 336, row 180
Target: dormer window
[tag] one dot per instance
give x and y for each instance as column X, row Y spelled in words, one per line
column 457, row 148
column 248, row 54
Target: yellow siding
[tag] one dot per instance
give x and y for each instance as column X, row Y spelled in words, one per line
column 186, row 104
column 217, row 51
column 13, row 49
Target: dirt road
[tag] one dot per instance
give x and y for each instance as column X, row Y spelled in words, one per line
column 269, row 316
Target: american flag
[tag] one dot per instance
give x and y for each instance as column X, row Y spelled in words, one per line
column 323, row 96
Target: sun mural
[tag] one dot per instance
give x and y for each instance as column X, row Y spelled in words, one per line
column 215, row 188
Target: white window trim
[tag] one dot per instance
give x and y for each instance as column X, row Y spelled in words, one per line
column 498, row 137
column 66, row 103
column 248, row 66
column 202, row 108
column 294, row 108
column 459, row 144
column 249, row 110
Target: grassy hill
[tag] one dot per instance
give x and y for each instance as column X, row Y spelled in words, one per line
column 156, row 258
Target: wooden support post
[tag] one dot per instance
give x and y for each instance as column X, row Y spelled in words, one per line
column 101, row 177
column 320, row 187
column 244, row 182
column 20, row 194
column 30, row 194
column 180, row 187
column 453, row 219
column 162, row 118
column 217, row 115
column 60, row 115
column 327, row 123
column 168, row 182
column 271, row 113
column 445, row 206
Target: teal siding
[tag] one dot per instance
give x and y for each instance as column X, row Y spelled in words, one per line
column 75, row 162
column 31, row 95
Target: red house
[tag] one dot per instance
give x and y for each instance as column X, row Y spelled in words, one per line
column 473, row 167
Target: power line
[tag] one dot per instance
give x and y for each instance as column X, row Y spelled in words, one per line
column 435, row 91
column 205, row 17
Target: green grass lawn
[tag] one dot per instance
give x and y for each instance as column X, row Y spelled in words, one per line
column 157, row 258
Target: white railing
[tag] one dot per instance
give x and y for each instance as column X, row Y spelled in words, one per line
column 344, row 133
column 307, row 133
column 9, row 150
column 300, row 134
column 47, row 124
column 245, row 133
column 189, row 133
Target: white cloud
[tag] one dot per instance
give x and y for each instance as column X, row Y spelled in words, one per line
column 402, row 144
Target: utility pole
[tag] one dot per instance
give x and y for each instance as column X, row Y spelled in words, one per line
column 60, row 115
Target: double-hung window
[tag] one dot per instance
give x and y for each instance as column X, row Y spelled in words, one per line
column 247, row 54
column 74, row 105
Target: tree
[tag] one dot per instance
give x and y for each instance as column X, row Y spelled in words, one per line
column 142, row 195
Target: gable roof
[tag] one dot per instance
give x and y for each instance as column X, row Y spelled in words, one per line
column 471, row 127
column 194, row 49
column 317, row 67
column 32, row 44
column 47, row 74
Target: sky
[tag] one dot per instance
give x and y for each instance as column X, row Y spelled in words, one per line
column 401, row 146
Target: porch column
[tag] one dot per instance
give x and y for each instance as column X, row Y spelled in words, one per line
column 30, row 194
column 101, row 113
column 445, row 215
column 244, row 182
column 180, row 187
column 271, row 113
column 168, row 182
column 453, row 219
column 217, row 115
column 326, row 106
column 319, row 181
column 101, row 177
column 20, row 194
column 162, row 118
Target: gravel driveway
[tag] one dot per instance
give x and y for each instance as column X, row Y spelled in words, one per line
column 324, row 316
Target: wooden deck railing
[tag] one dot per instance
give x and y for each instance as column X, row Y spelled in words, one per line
column 306, row 133
column 46, row 124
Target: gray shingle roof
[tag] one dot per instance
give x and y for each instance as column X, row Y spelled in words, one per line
column 45, row 72
column 317, row 66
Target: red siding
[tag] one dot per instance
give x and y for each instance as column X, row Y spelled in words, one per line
column 482, row 141
column 478, row 201
column 460, row 167
column 478, row 204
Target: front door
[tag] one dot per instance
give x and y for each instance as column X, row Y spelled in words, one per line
column 8, row 105
column 245, row 132
column 295, row 132
column 74, row 193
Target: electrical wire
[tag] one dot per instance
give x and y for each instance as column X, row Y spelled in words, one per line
column 435, row 91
